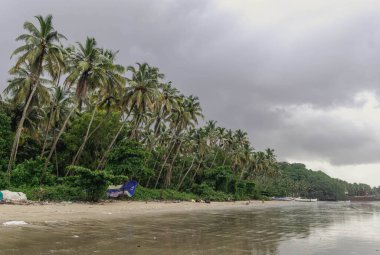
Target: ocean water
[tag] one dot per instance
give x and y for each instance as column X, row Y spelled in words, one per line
column 301, row 228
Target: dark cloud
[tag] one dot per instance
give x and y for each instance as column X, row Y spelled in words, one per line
column 240, row 66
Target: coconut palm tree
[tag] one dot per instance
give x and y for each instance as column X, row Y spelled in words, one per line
column 106, row 90
column 140, row 97
column 41, row 52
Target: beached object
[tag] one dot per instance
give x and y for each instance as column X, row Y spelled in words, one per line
column 298, row 199
column 15, row 223
column 13, row 196
column 129, row 188
column 282, row 198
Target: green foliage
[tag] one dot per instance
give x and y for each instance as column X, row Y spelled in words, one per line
column 29, row 148
column 158, row 194
column 53, row 193
column 31, row 173
column 219, row 178
column 96, row 144
column 206, row 192
column 129, row 158
column 94, row 183
column 5, row 139
column 296, row 180
column 4, row 181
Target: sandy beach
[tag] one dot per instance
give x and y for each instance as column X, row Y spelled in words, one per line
column 116, row 209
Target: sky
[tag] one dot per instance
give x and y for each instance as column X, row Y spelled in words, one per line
column 300, row 76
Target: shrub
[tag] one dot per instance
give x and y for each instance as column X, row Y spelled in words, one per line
column 219, row 178
column 240, row 192
column 31, row 173
column 206, row 192
column 53, row 193
column 94, row 183
column 4, row 181
column 158, row 194
column 5, row 139
column 129, row 158
column 250, row 189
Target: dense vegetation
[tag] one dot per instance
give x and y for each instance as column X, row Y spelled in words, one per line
column 73, row 120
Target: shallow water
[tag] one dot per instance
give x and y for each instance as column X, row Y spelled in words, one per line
column 301, row 228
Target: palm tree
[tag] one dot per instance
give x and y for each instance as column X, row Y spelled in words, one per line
column 20, row 86
column 114, row 81
column 87, row 72
column 140, row 97
column 41, row 52
column 142, row 91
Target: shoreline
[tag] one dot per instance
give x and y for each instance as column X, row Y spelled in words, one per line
column 104, row 211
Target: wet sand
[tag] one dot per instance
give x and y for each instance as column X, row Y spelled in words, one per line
column 36, row 212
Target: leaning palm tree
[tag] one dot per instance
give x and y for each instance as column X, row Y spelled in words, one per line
column 113, row 82
column 41, row 51
column 86, row 73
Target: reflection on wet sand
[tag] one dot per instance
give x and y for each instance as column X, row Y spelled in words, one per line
column 320, row 228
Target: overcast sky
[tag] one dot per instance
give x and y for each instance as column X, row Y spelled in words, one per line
column 301, row 77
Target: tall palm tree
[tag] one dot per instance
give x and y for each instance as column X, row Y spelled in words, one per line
column 41, row 51
column 86, row 71
column 139, row 97
column 106, row 91
column 142, row 91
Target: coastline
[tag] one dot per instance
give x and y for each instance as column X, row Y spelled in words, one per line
column 46, row 212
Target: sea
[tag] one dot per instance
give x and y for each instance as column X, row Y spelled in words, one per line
column 330, row 228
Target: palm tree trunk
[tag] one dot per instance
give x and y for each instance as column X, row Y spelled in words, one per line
column 20, row 126
column 110, row 146
column 91, row 134
column 47, row 129
column 187, row 172
column 213, row 161
column 196, row 171
column 170, row 170
column 166, row 159
column 182, row 168
column 58, row 136
column 80, row 150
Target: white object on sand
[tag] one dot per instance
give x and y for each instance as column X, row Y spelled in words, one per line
column 14, row 223
column 13, row 196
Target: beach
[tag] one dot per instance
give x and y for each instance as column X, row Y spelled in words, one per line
column 110, row 210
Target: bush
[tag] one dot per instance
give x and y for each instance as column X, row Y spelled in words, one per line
column 158, row 194
column 129, row 158
column 206, row 192
column 53, row 193
column 94, row 183
column 240, row 193
column 4, row 181
column 31, row 173
column 219, row 178
column 250, row 189
column 5, row 140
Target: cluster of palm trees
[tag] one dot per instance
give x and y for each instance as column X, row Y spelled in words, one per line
column 51, row 85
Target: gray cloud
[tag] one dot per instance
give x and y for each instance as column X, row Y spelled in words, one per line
column 239, row 67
